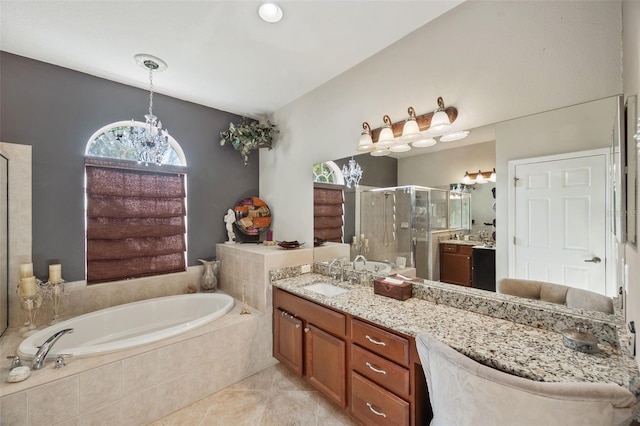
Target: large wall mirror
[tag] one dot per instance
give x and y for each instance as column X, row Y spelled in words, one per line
column 4, row 244
column 632, row 169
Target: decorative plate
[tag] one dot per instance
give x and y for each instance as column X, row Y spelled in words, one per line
column 290, row 244
column 252, row 216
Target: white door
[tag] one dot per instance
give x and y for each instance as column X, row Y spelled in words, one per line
column 560, row 222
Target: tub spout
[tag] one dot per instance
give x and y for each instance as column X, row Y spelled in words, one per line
column 43, row 351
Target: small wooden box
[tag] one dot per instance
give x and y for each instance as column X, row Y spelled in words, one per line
column 396, row 291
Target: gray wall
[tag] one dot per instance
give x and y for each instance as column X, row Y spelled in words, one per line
column 56, row 110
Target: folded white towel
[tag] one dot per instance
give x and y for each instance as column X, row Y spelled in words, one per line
column 393, row 281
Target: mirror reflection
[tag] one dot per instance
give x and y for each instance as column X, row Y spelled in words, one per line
column 464, row 252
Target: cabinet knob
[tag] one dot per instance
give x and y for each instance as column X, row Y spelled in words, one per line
column 297, row 325
column 306, row 329
column 376, row 412
column 374, row 341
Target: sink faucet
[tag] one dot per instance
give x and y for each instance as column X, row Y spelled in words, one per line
column 360, row 257
column 335, row 276
column 43, row 351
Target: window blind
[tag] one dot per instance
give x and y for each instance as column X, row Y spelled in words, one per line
column 328, row 210
column 135, row 223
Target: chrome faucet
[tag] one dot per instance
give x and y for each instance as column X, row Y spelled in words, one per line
column 360, row 257
column 335, row 276
column 43, row 351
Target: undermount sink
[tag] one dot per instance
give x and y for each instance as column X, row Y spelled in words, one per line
column 326, row 289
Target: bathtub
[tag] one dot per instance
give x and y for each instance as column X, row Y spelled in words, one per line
column 381, row 268
column 132, row 324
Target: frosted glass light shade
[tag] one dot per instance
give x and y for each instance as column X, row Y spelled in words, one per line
column 424, row 142
column 270, row 12
column 386, row 138
column 380, row 152
column 467, row 180
column 439, row 122
column 492, row 178
column 455, row 136
column 400, row 147
column 366, row 143
column 410, row 131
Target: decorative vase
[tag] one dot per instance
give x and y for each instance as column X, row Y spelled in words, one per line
column 209, row 280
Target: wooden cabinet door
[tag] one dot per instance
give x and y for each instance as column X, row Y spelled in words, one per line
column 455, row 268
column 287, row 342
column 325, row 364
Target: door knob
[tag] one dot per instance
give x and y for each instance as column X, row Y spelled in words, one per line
column 595, row 259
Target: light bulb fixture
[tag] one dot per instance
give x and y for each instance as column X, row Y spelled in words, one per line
column 415, row 131
column 352, row 174
column 425, row 142
column 148, row 144
column 480, row 177
column 386, row 138
column 454, row 136
column 366, row 143
column 270, row 12
column 410, row 130
column 440, row 122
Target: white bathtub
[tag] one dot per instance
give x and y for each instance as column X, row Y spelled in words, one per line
column 381, row 268
column 131, row 324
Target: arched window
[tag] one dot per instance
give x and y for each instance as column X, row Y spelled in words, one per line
column 135, row 205
column 327, row 172
column 112, row 141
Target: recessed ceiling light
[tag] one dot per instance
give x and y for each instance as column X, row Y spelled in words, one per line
column 270, row 12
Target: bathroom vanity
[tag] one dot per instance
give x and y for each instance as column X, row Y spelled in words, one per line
column 341, row 343
column 468, row 264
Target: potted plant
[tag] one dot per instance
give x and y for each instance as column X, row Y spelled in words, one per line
column 249, row 135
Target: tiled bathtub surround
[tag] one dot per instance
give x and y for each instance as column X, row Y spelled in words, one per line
column 140, row 385
column 520, row 349
column 81, row 298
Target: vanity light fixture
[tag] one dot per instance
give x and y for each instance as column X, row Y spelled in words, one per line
column 366, row 143
column 415, row 131
column 270, row 12
column 480, row 177
column 386, row 137
column 440, row 122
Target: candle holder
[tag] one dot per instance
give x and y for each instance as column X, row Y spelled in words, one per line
column 30, row 305
column 55, row 291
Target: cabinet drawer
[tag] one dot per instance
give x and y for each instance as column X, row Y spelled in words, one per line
column 324, row 318
column 372, row 405
column 466, row 250
column 380, row 342
column 449, row 248
column 384, row 373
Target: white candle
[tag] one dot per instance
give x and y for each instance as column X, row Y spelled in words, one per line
column 28, row 286
column 26, row 270
column 366, row 242
column 355, row 240
column 361, row 237
column 55, row 273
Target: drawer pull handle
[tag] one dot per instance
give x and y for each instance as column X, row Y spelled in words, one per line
column 377, row 370
column 374, row 341
column 376, row 412
column 297, row 325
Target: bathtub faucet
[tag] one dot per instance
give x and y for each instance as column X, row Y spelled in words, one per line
column 43, row 351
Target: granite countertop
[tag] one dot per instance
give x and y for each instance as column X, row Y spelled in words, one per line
column 462, row 242
column 519, row 349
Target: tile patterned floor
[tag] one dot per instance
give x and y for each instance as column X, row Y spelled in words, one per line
column 273, row 397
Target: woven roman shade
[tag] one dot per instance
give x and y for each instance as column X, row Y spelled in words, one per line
column 328, row 211
column 135, row 223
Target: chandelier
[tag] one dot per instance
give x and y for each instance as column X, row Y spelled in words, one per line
column 148, row 144
column 352, row 174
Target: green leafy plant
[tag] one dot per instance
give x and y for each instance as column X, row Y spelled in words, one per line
column 249, row 135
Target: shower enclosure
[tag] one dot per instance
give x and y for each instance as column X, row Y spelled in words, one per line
column 397, row 222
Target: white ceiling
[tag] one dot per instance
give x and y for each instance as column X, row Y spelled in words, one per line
column 220, row 54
